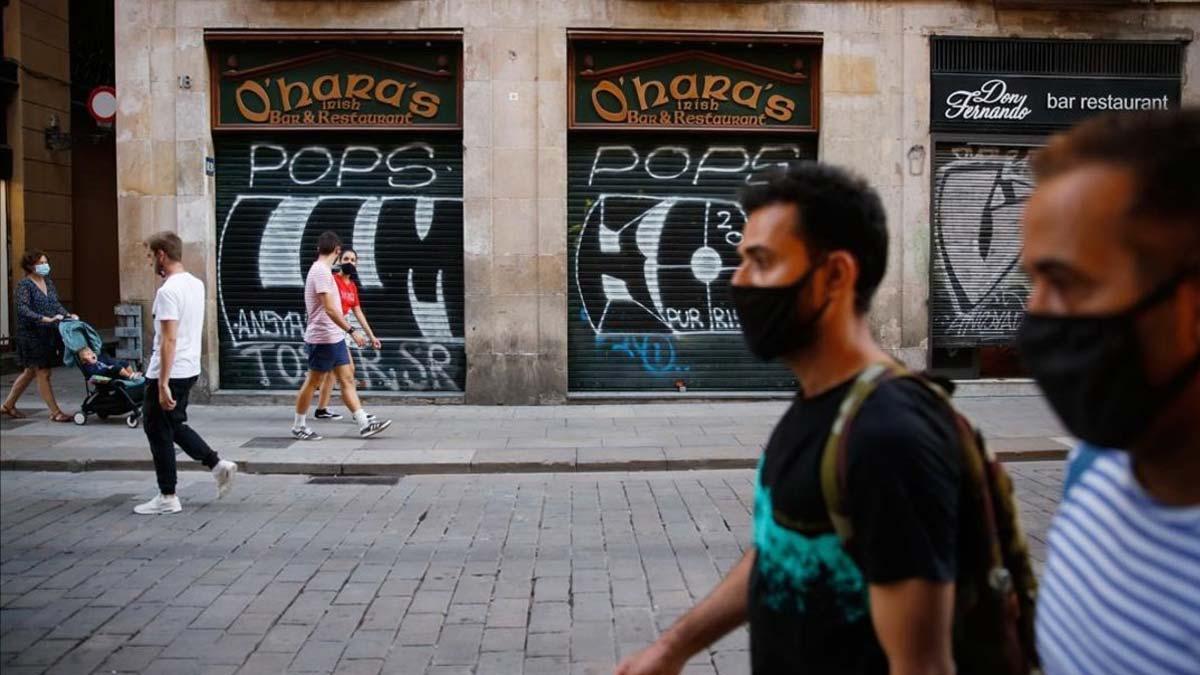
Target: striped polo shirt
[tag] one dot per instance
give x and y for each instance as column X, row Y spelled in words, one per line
column 1121, row 591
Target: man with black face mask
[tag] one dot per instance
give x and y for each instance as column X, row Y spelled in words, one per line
column 1112, row 245
column 814, row 253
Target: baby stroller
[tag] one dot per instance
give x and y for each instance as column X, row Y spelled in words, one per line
column 106, row 397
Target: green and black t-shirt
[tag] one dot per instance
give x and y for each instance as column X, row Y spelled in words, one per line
column 808, row 605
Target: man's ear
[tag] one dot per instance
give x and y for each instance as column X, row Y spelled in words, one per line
column 841, row 275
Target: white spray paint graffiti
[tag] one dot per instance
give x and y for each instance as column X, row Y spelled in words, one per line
column 706, row 264
column 766, row 157
column 668, row 216
column 979, row 289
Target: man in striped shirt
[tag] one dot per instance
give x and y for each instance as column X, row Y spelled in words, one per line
column 1112, row 245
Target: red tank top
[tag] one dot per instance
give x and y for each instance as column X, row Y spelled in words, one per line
column 348, row 292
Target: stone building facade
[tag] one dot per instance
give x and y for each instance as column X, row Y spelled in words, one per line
column 493, row 282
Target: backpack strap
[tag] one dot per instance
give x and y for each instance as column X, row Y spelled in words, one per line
column 835, row 456
column 1083, row 459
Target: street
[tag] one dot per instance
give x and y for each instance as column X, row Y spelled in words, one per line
column 500, row 573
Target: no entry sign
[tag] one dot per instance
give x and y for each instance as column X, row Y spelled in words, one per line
column 102, row 104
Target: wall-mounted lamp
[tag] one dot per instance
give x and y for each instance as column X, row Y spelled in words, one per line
column 56, row 138
column 916, row 160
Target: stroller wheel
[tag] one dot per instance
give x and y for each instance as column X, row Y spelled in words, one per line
column 80, row 418
column 132, row 421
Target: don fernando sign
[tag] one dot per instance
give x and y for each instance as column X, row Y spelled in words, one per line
column 968, row 101
column 369, row 86
column 625, row 82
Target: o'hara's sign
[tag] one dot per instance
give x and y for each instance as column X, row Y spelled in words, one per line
column 693, row 86
column 964, row 101
column 371, row 87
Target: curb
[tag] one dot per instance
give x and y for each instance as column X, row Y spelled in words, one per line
column 473, row 467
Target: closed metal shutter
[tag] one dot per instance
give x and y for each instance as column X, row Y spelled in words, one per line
column 652, row 243
column 397, row 200
column 978, row 289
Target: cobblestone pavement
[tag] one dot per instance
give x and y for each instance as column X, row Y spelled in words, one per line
column 533, row 573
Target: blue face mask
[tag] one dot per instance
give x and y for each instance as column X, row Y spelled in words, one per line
column 42, row 269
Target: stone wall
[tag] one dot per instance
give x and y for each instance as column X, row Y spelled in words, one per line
column 40, row 192
column 875, row 103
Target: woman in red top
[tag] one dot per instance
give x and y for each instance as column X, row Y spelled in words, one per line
column 348, row 286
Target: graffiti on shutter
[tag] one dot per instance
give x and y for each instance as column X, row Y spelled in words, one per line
column 653, row 238
column 398, row 204
column 979, row 290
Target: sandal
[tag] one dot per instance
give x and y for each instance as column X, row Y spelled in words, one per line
column 11, row 411
column 60, row 416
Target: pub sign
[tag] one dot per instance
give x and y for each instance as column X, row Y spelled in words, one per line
column 732, row 85
column 331, row 85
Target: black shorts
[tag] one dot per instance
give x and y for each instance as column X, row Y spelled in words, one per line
column 323, row 358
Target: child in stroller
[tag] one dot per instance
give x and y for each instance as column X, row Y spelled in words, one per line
column 113, row 389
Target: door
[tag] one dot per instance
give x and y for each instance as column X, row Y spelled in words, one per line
column 397, row 200
column 654, row 225
column 978, row 290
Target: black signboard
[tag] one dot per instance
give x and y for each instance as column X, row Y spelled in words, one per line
column 966, row 102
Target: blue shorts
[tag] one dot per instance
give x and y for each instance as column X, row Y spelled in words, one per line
column 323, row 358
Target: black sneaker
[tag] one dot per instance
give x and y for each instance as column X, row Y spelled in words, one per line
column 305, row 434
column 373, row 427
column 326, row 414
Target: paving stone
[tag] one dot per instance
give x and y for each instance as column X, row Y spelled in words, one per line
column 419, row 629
column 592, row 642
column 508, row 613
column 44, row 652
column 500, row 662
column 131, row 658
column 262, row 663
column 408, row 660
column 503, row 639
column 458, row 645
column 548, row 644
column 286, row 638
column 386, row 613
column 369, row 644
column 317, row 657
column 547, row 665
column 359, row 667
column 467, row 613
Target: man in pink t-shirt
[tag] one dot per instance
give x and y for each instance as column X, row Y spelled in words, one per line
column 325, row 342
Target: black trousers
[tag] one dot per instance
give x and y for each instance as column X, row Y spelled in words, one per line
column 167, row 428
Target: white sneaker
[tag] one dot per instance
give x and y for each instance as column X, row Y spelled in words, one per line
column 225, row 471
column 160, row 504
column 305, row 434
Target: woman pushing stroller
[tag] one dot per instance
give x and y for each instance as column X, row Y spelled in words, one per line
column 38, row 344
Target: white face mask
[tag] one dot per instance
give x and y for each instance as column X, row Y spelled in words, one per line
column 42, row 269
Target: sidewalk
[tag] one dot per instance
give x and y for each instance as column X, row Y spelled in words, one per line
column 474, row 439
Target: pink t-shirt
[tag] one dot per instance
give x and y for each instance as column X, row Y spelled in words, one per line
column 320, row 328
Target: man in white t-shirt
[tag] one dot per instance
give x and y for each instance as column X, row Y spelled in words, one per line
column 174, row 367
column 325, row 334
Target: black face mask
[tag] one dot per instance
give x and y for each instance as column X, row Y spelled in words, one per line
column 1092, row 371
column 770, row 317
column 348, row 269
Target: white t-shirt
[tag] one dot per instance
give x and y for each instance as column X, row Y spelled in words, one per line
column 180, row 298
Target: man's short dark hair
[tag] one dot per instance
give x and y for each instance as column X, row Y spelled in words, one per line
column 839, row 211
column 1160, row 150
column 327, row 243
column 167, row 242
